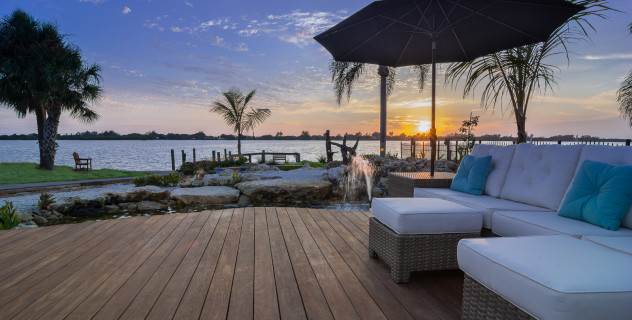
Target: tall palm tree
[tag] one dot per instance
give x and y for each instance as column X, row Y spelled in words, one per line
column 624, row 94
column 41, row 73
column 344, row 75
column 513, row 76
column 236, row 114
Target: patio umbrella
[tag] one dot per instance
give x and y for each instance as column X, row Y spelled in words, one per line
column 400, row 33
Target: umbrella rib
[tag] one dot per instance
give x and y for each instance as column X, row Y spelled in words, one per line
column 410, row 38
column 452, row 29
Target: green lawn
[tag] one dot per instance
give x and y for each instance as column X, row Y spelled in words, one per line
column 17, row 173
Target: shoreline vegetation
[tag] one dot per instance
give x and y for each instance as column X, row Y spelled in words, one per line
column 25, row 172
column 305, row 135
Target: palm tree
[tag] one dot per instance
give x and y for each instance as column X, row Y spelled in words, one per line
column 624, row 94
column 345, row 74
column 235, row 112
column 513, row 76
column 41, row 73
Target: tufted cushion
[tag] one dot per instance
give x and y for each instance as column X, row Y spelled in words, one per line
column 472, row 175
column 488, row 205
column 601, row 194
column 621, row 155
column 501, row 159
column 540, row 175
column 618, row 244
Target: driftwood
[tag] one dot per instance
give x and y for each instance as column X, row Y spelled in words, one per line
column 344, row 149
column 330, row 154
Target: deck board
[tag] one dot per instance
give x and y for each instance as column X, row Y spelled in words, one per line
column 243, row 263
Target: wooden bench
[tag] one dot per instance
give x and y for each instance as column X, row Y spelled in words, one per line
column 279, row 158
column 82, row 162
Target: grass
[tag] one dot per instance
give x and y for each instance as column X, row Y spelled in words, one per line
column 21, row 172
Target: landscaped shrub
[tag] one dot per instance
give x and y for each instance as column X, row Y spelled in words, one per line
column 233, row 179
column 8, row 217
column 45, row 200
column 189, row 168
column 155, row 180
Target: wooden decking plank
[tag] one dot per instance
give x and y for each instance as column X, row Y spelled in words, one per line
column 314, row 301
column 7, row 237
column 337, row 299
column 290, row 304
column 192, row 302
column 357, row 293
column 218, row 296
column 18, row 250
column 117, row 304
column 95, row 300
column 415, row 306
column 241, row 304
column 352, row 227
column 146, row 297
column 388, row 303
column 28, row 276
column 432, row 288
column 53, row 274
column 361, row 216
column 167, row 303
column 25, row 267
column 66, row 299
column 69, row 287
column 265, row 296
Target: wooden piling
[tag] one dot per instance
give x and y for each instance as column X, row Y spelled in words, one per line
column 173, row 161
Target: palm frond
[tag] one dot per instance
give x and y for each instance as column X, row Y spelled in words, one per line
column 423, row 71
column 344, row 75
column 624, row 97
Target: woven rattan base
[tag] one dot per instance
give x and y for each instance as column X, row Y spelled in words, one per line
column 482, row 303
column 406, row 253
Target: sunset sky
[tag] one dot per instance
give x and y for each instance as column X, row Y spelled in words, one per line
column 164, row 62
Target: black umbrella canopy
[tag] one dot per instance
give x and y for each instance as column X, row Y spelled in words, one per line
column 399, row 33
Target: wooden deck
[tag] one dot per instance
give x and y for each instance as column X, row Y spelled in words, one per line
column 263, row 263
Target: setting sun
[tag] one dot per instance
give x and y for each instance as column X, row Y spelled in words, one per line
column 424, row 126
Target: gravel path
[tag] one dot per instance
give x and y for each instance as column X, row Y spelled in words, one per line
column 29, row 202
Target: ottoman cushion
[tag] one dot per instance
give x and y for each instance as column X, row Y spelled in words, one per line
column 552, row 277
column 619, row 244
column 426, row 216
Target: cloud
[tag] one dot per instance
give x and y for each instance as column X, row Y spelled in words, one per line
column 126, row 10
column 615, row 56
column 220, row 42
column 188, row 4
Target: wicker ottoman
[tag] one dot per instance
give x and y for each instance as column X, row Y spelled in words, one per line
column 419, row 234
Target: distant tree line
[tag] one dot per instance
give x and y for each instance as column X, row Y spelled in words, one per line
column 305, row 135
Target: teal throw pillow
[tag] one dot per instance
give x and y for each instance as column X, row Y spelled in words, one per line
column 472, row 175
column 601, row 194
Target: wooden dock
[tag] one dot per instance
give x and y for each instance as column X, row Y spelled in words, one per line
column 244, row 263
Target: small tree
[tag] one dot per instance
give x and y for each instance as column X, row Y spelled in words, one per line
column 235, row 112
column 467, row 128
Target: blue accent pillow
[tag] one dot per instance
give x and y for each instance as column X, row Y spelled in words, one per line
column 601, row 194
column 472, row 175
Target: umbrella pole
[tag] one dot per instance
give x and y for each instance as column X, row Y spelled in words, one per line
column 383, row 72
column 433, row 130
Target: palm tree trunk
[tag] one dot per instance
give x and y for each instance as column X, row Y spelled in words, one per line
column 48, row 146
column 522, row 128
column 40, row 117
column 239, row 144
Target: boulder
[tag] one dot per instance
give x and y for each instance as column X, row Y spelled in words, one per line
column 112, row 208
column 244, row 201
column 24, row 216
column 63, row 205
column 285, row 191
column 205, row 195
column 150, row 206
column 86, row 212
column 136, row 194
column 40, row 220
column 207, row 180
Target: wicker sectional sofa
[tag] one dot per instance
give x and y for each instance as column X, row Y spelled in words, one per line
column 545, row 266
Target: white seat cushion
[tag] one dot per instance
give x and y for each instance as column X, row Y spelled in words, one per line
column 621, row 155
column 540, row 175
column 552, row 277
column 619, row 244
column 488, row 205
column 525, row 223
column 426, row 216
column 440, row 193
column 501, row 159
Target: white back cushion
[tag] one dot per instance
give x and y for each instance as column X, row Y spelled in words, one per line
column 501, row 159
column 540, row 175
column 621, row 155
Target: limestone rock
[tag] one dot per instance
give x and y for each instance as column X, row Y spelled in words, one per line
column 63, row 205
column 26, row 225
column 86, row 212
column 111, row 208
column 207, row 180
column 24, row 216
column 244, row 201
column 206, row 195
column 285, row 191
column 135, row 194
column 40, row 220
column 265, row 167
column 150, row 206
